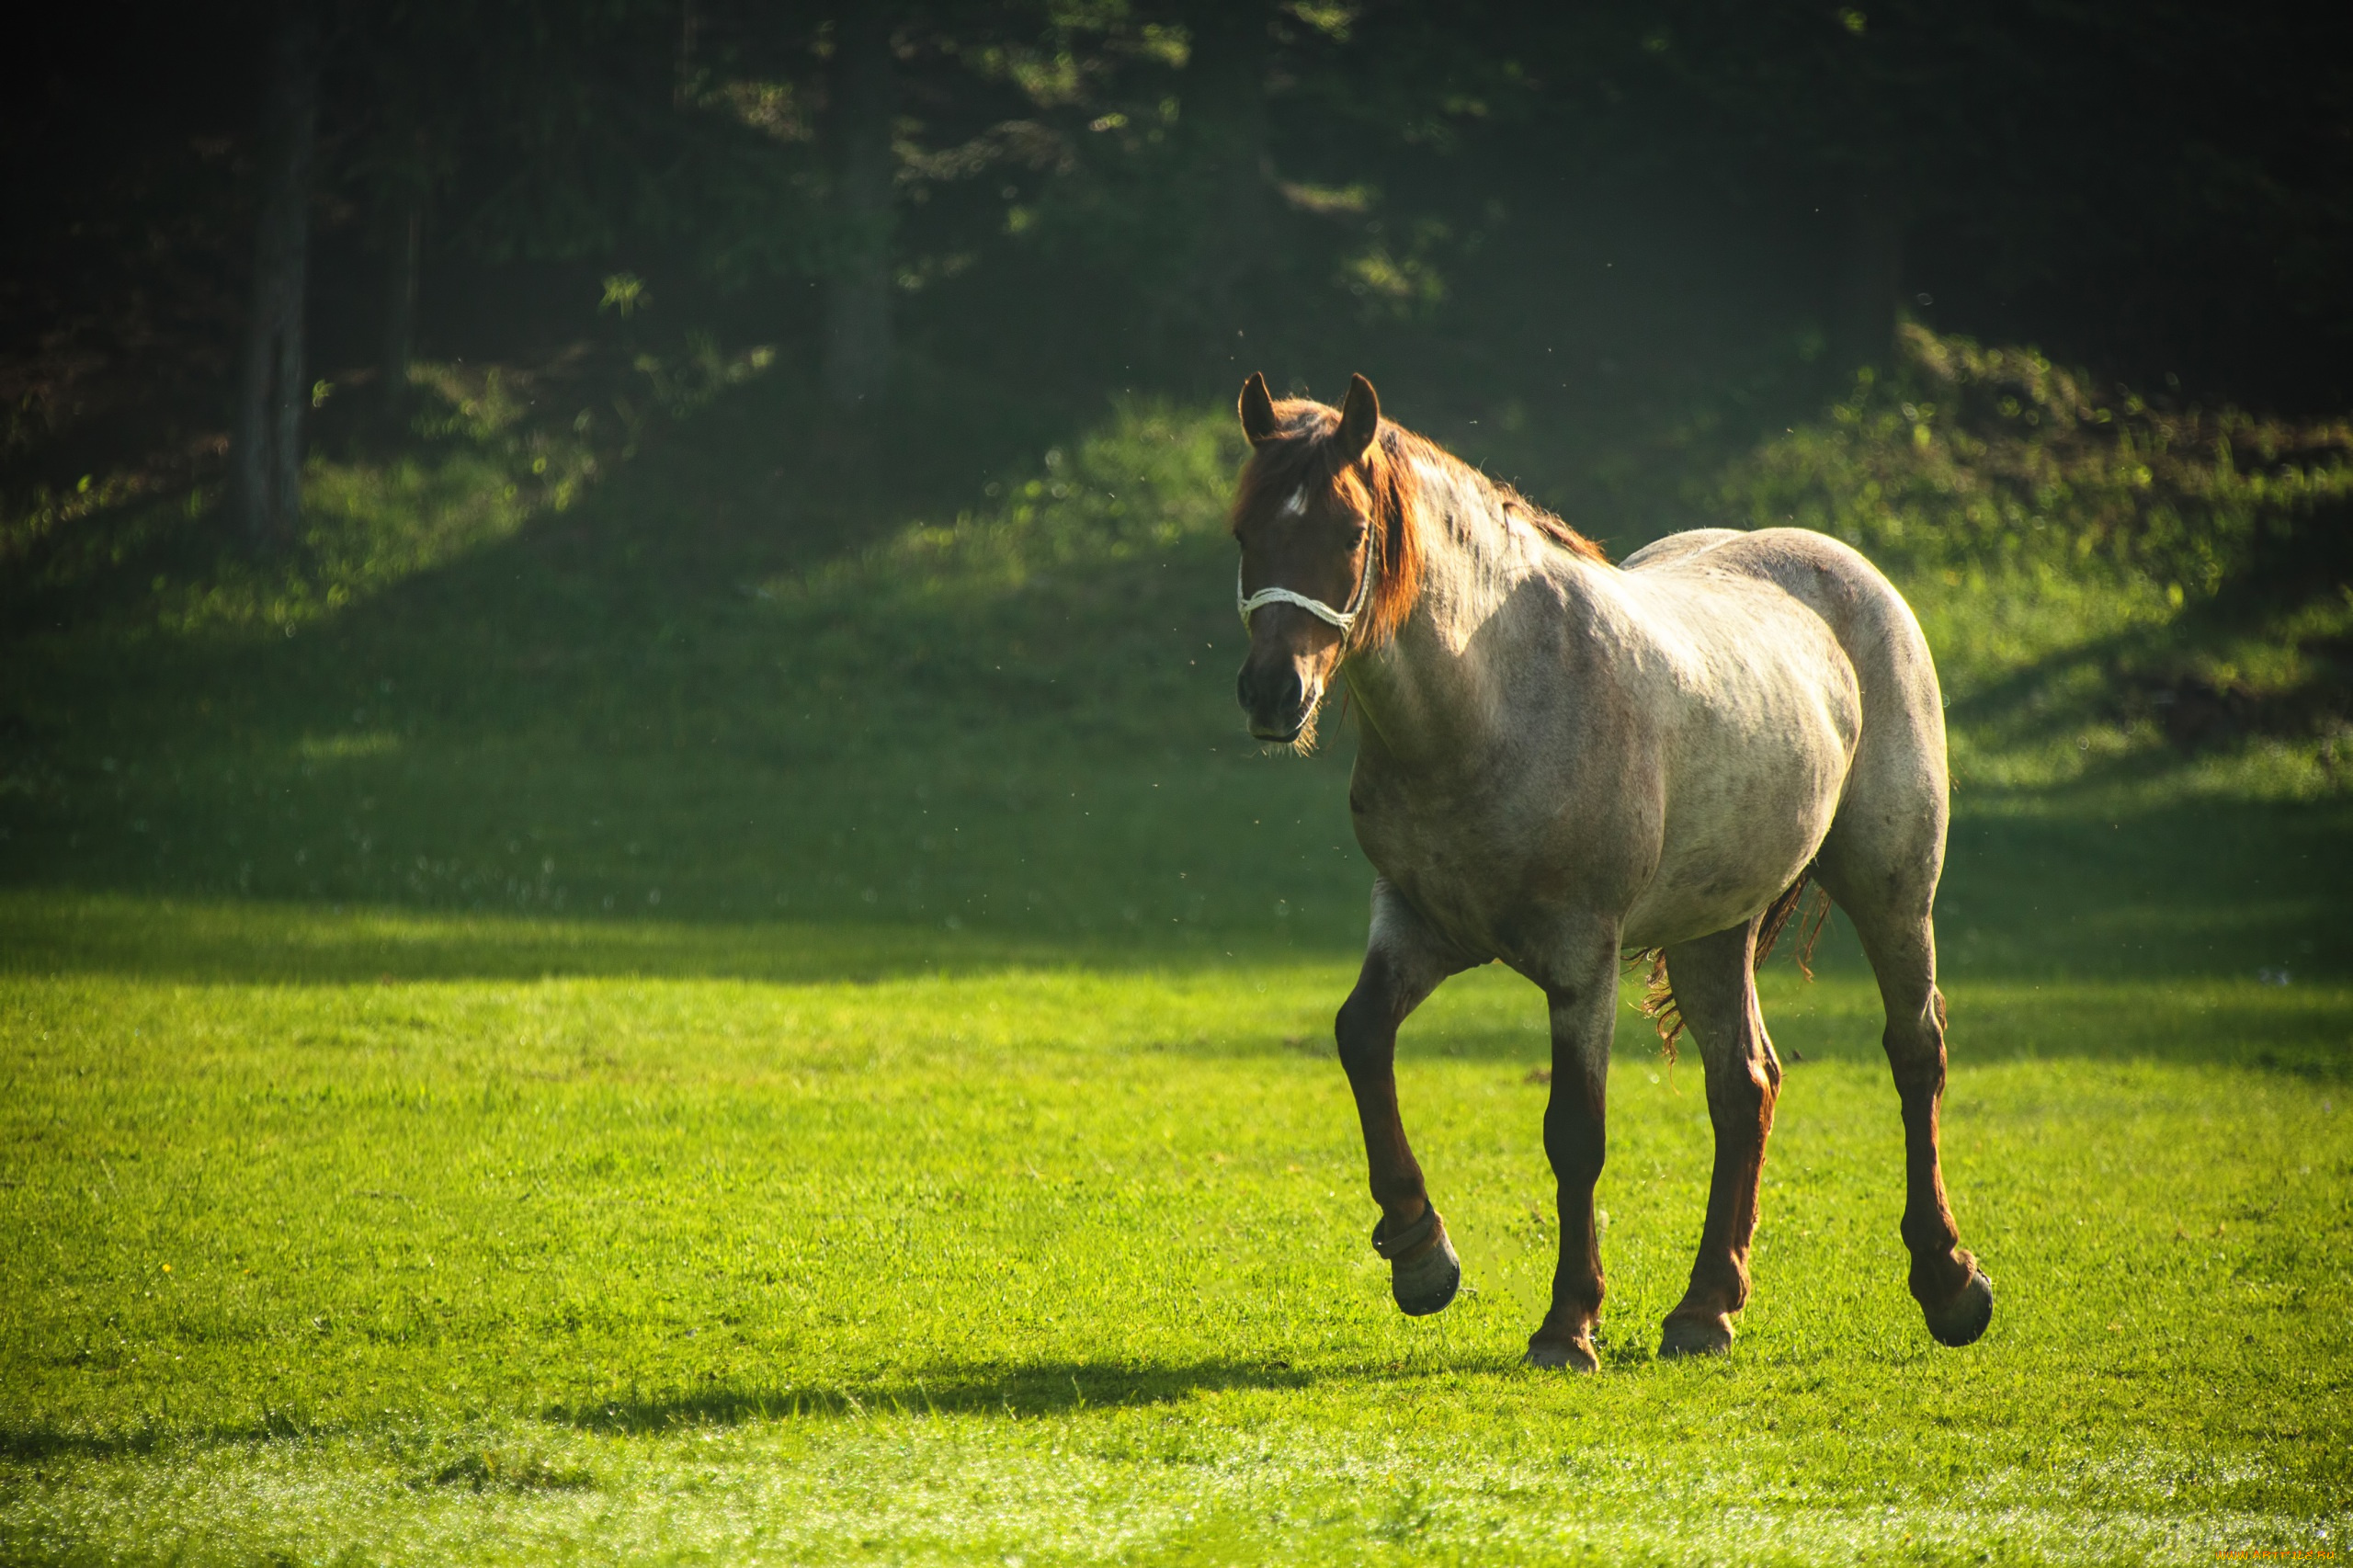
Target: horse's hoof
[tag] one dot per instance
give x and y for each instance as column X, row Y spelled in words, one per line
column 1959, row 1321
column 1573, row 1354
column 1427, row 1285
column 1695, row 1335
column 1424, row 1273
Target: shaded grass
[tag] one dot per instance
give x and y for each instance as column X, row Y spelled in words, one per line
column 2028, row 1007
column 1009, row 721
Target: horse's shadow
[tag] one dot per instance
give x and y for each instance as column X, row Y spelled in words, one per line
column 1049, row 1388
column 1034, row 1389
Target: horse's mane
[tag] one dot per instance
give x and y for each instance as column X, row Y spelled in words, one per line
column 1388, row 482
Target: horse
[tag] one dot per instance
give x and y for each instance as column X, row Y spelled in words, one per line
column 1560, row 761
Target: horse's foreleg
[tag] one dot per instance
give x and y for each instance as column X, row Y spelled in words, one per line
column 1583, row 1004
column 1715, row 991
column 1403, row 962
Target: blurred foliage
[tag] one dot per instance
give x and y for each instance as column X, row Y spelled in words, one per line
column 1598, row 248
column 1149, row 476
column 1997, row 460
column 1092, row 562
column 487, row 449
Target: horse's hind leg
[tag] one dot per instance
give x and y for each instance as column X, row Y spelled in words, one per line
column 1715, row 991
column 1403, row 962
column 1883, row 870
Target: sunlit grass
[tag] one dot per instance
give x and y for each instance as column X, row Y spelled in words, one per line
column 954, row 1262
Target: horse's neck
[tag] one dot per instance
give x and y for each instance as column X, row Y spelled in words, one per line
column 1430, row 689
column 1475, row 554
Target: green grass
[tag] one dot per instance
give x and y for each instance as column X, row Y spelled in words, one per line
column 662, row 1033
column 1068, row 1263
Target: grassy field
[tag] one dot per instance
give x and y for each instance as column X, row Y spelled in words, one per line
column 654, row 1035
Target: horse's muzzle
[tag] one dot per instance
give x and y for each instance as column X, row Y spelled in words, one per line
column 1275, row 699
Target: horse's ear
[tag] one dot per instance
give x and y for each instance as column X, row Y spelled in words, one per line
column 1359, row 422
column 1257, row 410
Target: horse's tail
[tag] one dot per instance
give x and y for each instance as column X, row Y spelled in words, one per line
column 1658, row 993
column 1779, row 913
column 1658, row 1003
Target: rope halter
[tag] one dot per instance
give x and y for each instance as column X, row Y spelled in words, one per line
column 1343, row 618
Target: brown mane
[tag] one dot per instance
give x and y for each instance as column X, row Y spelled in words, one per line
column 1384, row 484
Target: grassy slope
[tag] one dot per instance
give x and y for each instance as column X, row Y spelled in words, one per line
column 947, row 1164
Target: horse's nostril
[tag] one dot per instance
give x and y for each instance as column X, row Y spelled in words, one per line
column 1268, row 688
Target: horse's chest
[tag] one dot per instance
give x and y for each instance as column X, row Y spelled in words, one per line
column 1474, row 861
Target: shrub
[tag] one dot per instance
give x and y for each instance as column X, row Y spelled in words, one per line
column 1994, row 459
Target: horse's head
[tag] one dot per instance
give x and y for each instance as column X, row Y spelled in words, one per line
column 1305, row 520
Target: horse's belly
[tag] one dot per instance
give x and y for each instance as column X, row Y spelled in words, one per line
column 1714, row 891
column 1495, row 879
column 1742, row 824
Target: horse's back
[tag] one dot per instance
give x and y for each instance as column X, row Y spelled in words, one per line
column 1893, row 811
column 1678, row 547
column 1862, row 609
column 1758, row 716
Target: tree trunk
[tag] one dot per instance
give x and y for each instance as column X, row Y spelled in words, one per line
column 405, row 256
column 1870, row 276
column 690, row 48
column 1225, row 114
column 266, row 462
column 857, row 292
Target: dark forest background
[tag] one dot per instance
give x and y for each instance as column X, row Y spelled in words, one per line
column 1577, row 239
